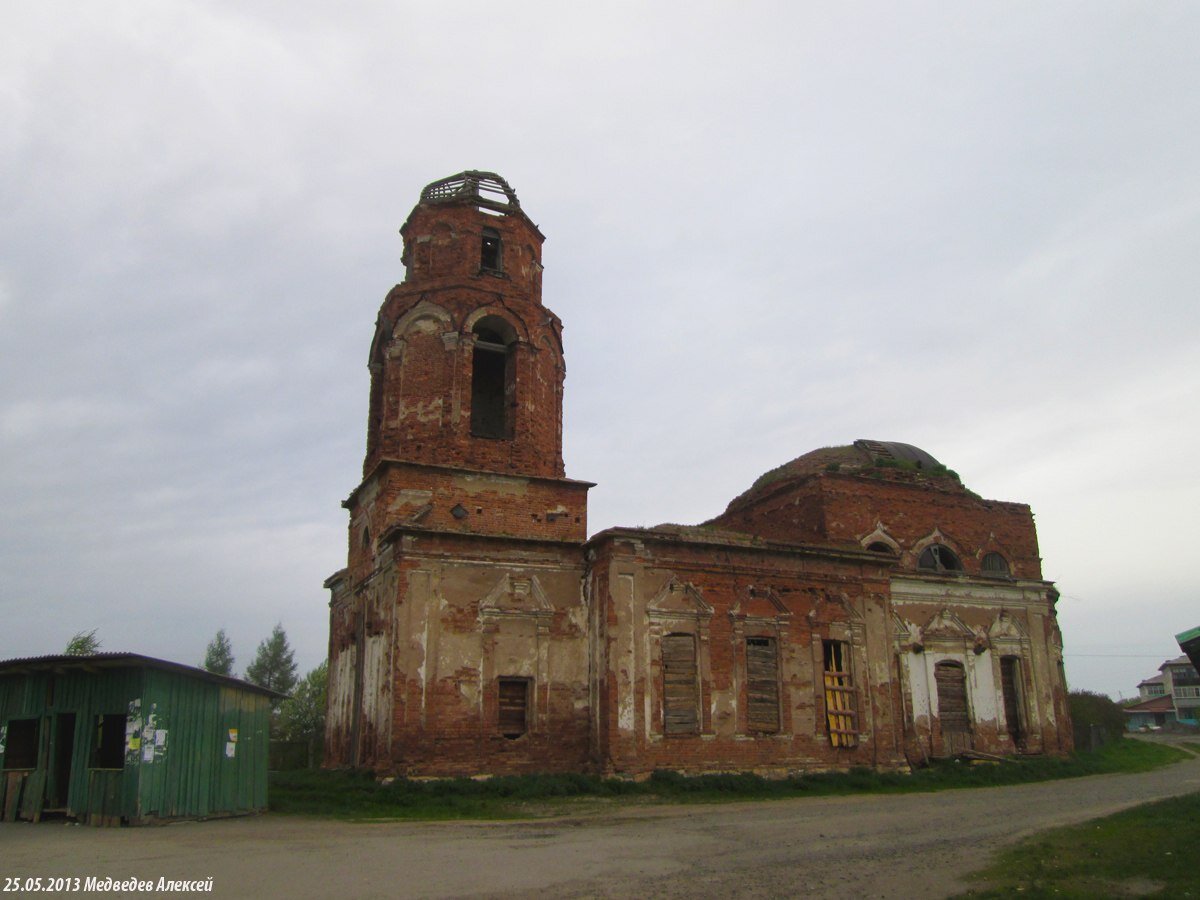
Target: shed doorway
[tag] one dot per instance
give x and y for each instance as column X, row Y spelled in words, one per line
column 58, row 785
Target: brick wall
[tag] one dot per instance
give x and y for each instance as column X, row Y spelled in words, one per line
column 910, row 508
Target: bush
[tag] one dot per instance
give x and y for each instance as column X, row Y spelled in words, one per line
column 1089, row 708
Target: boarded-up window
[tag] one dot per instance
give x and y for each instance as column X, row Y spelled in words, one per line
column 681, row 700
column 1010, row 670
column 108, row 751
column 21, row 744
column 762, row 684
column 952, row 707
column 514, row 703
column 995, row 564
column 841, row 703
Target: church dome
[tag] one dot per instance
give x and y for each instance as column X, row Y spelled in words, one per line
column 862, row 456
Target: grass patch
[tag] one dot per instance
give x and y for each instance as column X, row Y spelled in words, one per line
column 356, row 795
column 1148, row 851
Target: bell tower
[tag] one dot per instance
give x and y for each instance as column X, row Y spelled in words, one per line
column 464, row 529
column 467, row 364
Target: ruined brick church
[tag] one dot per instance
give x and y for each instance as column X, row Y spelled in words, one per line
column 857, row 606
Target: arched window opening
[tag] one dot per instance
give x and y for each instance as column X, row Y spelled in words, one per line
column 880, row 547
column 939, row 558
column 995, row 564
column 366, row 539
column 491, row 255
column 493, row 380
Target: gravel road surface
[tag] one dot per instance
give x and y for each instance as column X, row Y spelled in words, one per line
column 917, row 845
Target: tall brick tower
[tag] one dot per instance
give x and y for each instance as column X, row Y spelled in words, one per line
column 456, row 628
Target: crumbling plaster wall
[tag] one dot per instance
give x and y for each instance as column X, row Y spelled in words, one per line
column 977, row 623
column 647, row 588
column 471, row 614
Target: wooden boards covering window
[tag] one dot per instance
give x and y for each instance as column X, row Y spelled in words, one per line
column 762, row 684
column 951, row 682
column 681, row 695
column 841, row 706
column 514, row 701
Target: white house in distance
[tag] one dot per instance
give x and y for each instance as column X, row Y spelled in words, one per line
column 1172, row 696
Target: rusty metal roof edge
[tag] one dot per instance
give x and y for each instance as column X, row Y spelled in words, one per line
column 117, row 659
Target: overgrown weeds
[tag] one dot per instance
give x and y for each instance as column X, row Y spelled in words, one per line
column 357, row 795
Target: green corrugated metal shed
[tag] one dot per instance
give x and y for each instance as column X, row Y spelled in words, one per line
column 116, row 738
column 1189, row 643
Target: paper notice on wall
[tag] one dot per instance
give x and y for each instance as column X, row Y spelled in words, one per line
column 160, row 737
column 148, row 752
column 233, row 735
column 230, row 749
column 135, row 743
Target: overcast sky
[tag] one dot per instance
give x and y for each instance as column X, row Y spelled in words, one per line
column 969, row 227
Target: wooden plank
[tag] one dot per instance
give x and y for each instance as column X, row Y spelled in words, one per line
column 33, row 796
column 12, row 795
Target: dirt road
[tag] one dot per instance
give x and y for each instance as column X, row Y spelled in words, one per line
column 898, row 846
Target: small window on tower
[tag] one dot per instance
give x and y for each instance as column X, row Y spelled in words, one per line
column 491, row 258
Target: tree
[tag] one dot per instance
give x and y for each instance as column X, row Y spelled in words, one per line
column 302, row 716
column 274, row 665
column 84, row 643
column 218, row 657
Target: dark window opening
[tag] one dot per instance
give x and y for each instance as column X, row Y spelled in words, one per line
column 513, row 707
column 681, row 696
column 491, row 257
column 1010, row 679
column 21, row 744
column 939, row 558
column 880, row 547
column 762, row 684
column 493, row 384
column 366, row 539
column 109, row 749
column 995, row 564
column 841, row 706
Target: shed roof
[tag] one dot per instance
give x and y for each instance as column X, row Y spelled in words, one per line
column 98, row 661
column 1158, row 704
